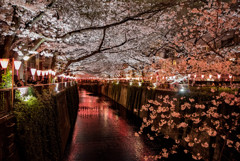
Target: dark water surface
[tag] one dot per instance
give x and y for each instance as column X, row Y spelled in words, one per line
column 103, row 133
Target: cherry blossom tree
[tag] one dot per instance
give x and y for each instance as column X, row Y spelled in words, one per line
column 206, row 127
column 81, row 33
column 204, row 41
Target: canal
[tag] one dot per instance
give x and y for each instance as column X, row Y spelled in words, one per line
column 105, row 131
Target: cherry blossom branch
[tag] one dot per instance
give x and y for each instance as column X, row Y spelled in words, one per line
column 39, row 16
column 157, row 8
column 98, row 50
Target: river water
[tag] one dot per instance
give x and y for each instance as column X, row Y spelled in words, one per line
column 105, row 131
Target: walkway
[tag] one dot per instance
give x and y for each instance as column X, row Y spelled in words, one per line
column 102, row 133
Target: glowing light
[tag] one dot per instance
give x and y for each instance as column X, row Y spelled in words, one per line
column 195, row 75
column 154, row 85
column 219, row 76
column 189, row 75
column 130, row 83
column 139, row 84
column 230, row 76
column 50, row 71
column 17, row 64
column 202, row 76
column 4, row 63
column 56, row 88
column 210, row 76
column 43, row 73
column 53, row 73
column 27, row 98
column 162, row 77
column 26, row 58
column 182, row 90
column 38, row 72
column 46, row 72
column 23, row 91
column 33, row 71
column 174, row 77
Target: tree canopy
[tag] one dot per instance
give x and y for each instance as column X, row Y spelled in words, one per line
column 104, row 37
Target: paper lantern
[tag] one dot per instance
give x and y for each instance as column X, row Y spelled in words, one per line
column 38, row 72
column 4, row 63
column 50, row 71
column 33, row 71
column 17, row 64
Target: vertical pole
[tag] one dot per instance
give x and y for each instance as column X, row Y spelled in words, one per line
column 26, row 72
column 49, row 78
column 12, row 80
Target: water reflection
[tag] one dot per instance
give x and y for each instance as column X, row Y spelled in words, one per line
column 102, row 133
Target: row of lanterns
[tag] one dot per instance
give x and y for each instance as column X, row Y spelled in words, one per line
column 4, row 64
column 17, row 64
column 42, row 72
column 67, row 76
column 210, row 76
